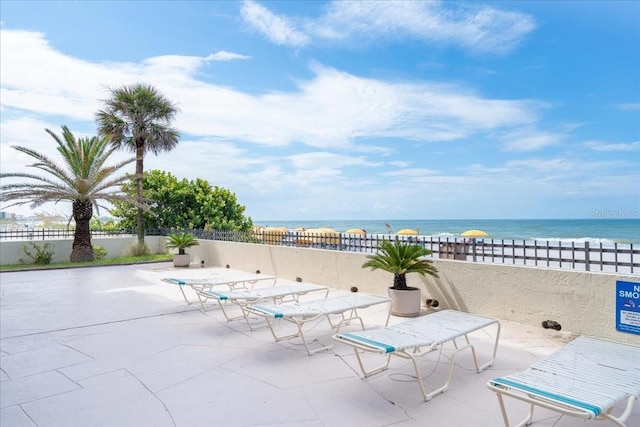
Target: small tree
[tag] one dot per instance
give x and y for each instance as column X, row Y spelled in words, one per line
column 181, row 241
column 401, row 259
column 184, row 204
column 85, row 182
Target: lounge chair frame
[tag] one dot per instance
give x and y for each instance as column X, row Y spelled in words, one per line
column 244, row 297
column 588, row 379
column 417, row 337
column 301, row 313
column 232, row 281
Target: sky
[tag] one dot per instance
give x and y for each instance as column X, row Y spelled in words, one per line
column 343, row 110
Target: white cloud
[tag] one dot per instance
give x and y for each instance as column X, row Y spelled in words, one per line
column 237, row 140
column 368, row 108
column 278, row 29
column 530, row 139
column 183, row 65
column 313, row 160
column 399, row 164
column 36, row 77
column 225, row 56
column 544, row 166
column 410, row 173
column 475, row 28
column 611, row 146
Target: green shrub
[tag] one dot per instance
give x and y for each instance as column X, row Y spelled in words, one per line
column 39, row 254
column 181, row 241
column 99, row 251
column 139, row 249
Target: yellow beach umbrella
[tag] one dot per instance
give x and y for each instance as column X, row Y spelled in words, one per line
column 355, row 231
column 328, row 232
column 275, row 230
column 475, row 233
column 274, row 235
column 323, row 235
column 407, row 232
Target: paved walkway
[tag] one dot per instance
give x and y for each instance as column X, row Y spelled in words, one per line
column 115, row 346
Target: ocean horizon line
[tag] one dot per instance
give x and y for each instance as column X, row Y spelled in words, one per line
column 454, row 219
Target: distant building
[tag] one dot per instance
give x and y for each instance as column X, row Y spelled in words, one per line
column 7, row 216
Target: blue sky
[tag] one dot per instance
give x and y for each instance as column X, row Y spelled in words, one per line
column 351, row 110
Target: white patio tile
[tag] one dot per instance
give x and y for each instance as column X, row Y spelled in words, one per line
column 103, row 378
column 122, row 401
column 41, row 360
column 224, row 398
column 348, row 401
column 26, row 389
column 3, row 375
column 181, row 364
column 14, row 416
column 300, row 368
column 116, row 346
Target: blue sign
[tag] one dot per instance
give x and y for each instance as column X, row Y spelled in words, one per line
column 628, row 307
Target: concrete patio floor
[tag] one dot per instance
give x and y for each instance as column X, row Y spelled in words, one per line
column 116, row 346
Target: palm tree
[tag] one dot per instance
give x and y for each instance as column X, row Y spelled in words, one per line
column 400, row 259
column 85, row 181
column 139, row 118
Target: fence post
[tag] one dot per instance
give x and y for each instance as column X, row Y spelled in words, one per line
column 473, row 243
column 587, row 260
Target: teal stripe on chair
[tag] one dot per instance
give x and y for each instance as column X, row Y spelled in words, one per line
column 221, row 297
column 267, row 310
column 557, row 397
column 177, row 281
column 386, row 347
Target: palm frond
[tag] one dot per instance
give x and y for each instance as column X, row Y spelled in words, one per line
column 139, row 113
column 400, row 259
column 85, row 178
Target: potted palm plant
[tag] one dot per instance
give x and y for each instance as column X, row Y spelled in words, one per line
column 401, row 259
column 181, row 241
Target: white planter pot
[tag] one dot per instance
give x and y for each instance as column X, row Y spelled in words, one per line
column 405, row 303
column 181, row 260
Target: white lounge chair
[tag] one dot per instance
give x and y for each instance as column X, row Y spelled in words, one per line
column 232, row 280
column 299, row 313
column 418, row 337
column 587, row 378
column 244, row 297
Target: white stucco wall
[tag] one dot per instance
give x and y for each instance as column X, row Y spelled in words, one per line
column 583, row 303
column 11, row 250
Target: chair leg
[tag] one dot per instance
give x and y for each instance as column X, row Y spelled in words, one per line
column 620, row 419
column 300, row 325
column 368, row 373
column 525, row 422
column 184, row 295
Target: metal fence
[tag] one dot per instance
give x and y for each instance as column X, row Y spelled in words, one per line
column 582, row 256
column 67, row 233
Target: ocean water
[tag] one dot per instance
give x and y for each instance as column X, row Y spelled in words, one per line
column 606, row 231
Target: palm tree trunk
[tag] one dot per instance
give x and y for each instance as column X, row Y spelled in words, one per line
column 139, row 173
column 81, row 249
column 399, row 281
